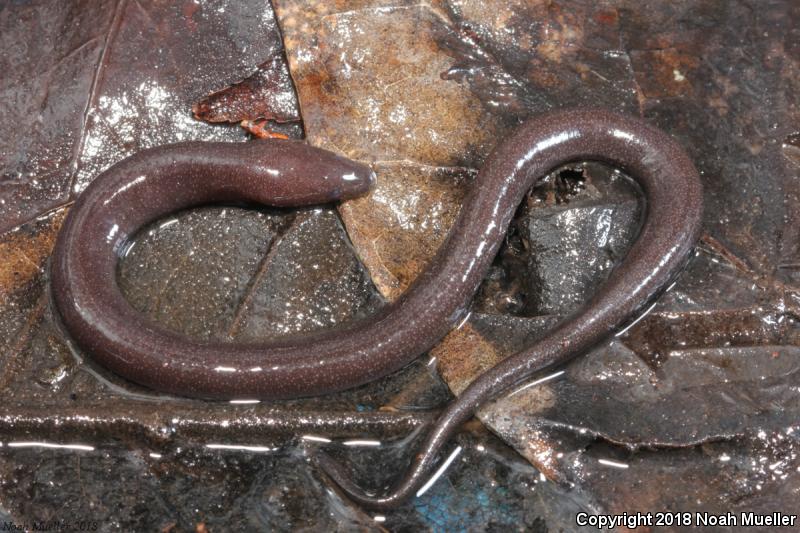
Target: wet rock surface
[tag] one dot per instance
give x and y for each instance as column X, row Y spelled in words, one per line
column 694, row 407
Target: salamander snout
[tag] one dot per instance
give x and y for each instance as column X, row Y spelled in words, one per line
column 309, row 174
column 355, row 179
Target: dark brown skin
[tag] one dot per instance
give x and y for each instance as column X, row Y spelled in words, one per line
column 184, row 175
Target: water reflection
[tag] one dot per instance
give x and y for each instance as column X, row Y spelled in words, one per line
column 537, row 382
column 362, row 442
column 50, row 445
column 314, row 438
column 636, row 321
column 442, row 469
column 241, row 447
column 615, row 464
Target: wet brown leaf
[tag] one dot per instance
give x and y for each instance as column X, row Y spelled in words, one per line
column 266, row 94
column 368, row 78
